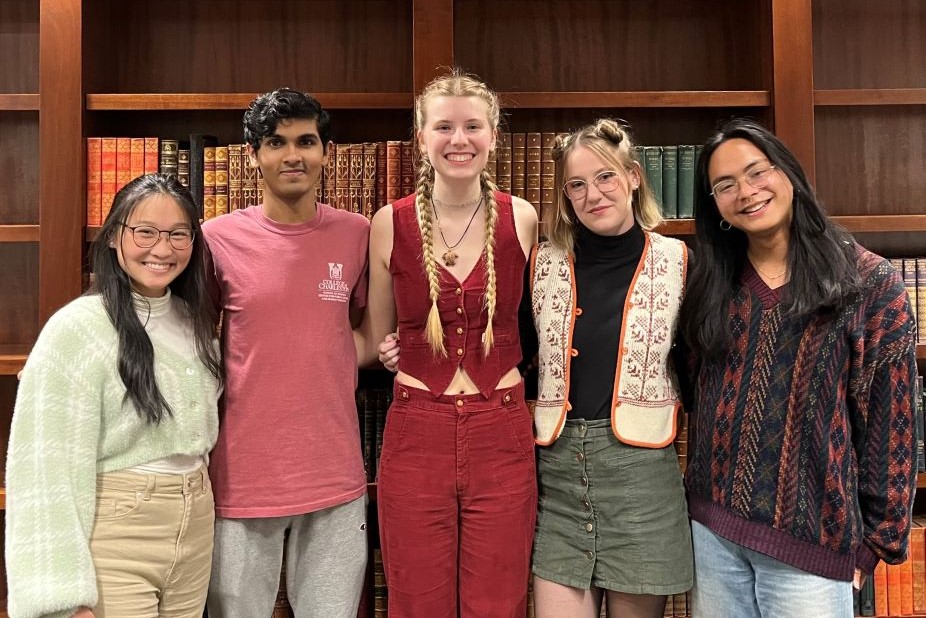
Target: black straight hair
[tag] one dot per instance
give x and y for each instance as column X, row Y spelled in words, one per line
column 266, row 111
column 822, row 257
column 112, row 283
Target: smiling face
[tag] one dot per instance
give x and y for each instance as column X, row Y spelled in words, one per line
column 152, row 269
column 760, row 212
column 457, row 136
column 291, row 159
column 609, row 212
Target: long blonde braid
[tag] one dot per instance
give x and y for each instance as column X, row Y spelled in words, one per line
column 454, row 84
column 488, row 192
column 434, row 331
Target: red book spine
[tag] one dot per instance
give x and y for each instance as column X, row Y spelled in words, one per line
column 94, row 181
column 123, row 161
column 137, row 157
column 393, row 171
column 152, row 150
column 108, row 190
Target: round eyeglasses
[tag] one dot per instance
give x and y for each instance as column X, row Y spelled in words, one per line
column 147, row 236
column 727, row 189
column 577, row 189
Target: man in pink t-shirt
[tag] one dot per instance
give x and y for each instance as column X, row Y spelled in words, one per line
column 290, row 279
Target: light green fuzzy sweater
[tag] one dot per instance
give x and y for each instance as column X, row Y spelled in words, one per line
column 69, row 424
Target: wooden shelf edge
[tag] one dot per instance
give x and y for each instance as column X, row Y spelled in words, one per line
column 870, row 96
column 11, row 364
column 921, row 355
column 920, row 480
column 240, row 101
column 19, row 102
column 654, row 99
column 2, row 498
column 882, row 223
column 19, row 233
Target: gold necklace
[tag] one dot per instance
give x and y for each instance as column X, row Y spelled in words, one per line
column 450, row 256
column 469, row 204
column 769, row 277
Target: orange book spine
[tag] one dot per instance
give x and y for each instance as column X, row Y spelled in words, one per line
column 409, row 171
column 519, row 165
column 221, row 180
column 906, row 587
column 123, row 161
column 94, row 181
column 137, row 157
column 152, row 150
column 893, row 590
column 209, row 182
column 355, row 179
column 108, row 164
column 918, row 558
column 880, row 583
column 368, row 180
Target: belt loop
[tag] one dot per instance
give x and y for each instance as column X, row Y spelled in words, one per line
column 149, row 486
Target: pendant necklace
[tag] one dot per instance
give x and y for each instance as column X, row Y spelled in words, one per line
column 450, row 256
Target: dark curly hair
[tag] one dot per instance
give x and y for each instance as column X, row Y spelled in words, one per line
column 266, row 111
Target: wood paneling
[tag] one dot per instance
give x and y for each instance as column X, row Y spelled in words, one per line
column 433, row 40
column 864, row 44
column 870, row 160
column 192, row 46
column 19, row 46
column 61, row 187
column 19, row 168
column 601, row 45
column 19, row 301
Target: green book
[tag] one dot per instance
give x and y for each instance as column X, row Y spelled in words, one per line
column 670, row 182
column 686, row 171
column 652, row 164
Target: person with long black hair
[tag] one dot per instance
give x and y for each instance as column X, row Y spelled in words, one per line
column 801, row 468
column 109, row 505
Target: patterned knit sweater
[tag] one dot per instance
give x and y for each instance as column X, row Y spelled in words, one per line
column 70, row 424
column 802, row 440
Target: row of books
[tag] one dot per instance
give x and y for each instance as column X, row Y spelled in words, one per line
column 360, row 177
column 913, row 271
column 898, row 590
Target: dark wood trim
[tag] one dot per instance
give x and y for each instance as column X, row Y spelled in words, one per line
column 12, row 358
column 656, row 99
column 792, row 70
column 63, row 158
column 871, row 96
column 920, row 480
column 19, row 233
column 882, row 223
column 215, row 101
column 19, row 102
column 921, row 351
column 432, row 40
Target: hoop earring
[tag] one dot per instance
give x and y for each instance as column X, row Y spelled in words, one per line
column 727, row 227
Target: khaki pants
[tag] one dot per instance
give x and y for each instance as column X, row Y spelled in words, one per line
column 152, row 544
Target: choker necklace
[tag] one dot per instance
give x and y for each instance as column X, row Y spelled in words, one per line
column 769, row 277
column 444, row 204
column 450, row 256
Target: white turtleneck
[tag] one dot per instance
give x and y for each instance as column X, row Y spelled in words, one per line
column 166, row 325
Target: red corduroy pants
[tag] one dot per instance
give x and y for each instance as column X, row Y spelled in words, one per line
column 457, row 499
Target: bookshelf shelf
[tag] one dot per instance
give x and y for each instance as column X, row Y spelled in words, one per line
column 921, row 351
column 19, row 102
column 882, row 223
column 240, row 101
column 640, row 99
column 19, row 233
column 920, row 480
column 12, row 359
column 870, row 96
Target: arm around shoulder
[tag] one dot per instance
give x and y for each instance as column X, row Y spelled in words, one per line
column 379, row 318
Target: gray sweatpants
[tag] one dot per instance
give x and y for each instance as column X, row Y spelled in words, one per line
column 326, row 557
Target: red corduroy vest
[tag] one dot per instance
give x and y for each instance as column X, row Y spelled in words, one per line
column 461, row 305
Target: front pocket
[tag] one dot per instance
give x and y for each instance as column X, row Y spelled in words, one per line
column 115, row 503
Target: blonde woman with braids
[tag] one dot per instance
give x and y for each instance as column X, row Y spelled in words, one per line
column 457, row 490
column 604, row 292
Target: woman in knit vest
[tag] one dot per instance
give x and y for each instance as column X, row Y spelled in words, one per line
column 801, row 467
column 109, row 508
column 457, row 491
column 605, row 294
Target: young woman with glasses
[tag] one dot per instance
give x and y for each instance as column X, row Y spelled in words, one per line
column 605, row 292
column 801, row 456
column 109, row 507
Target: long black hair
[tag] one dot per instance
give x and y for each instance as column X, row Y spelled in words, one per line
column 136, row 353
column 822, row 257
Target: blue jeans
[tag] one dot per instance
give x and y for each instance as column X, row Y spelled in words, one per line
column 734, row 582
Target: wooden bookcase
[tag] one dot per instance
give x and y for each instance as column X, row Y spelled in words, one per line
column 843, row 82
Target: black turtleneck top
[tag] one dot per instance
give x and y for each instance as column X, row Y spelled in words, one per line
column 604, row 268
